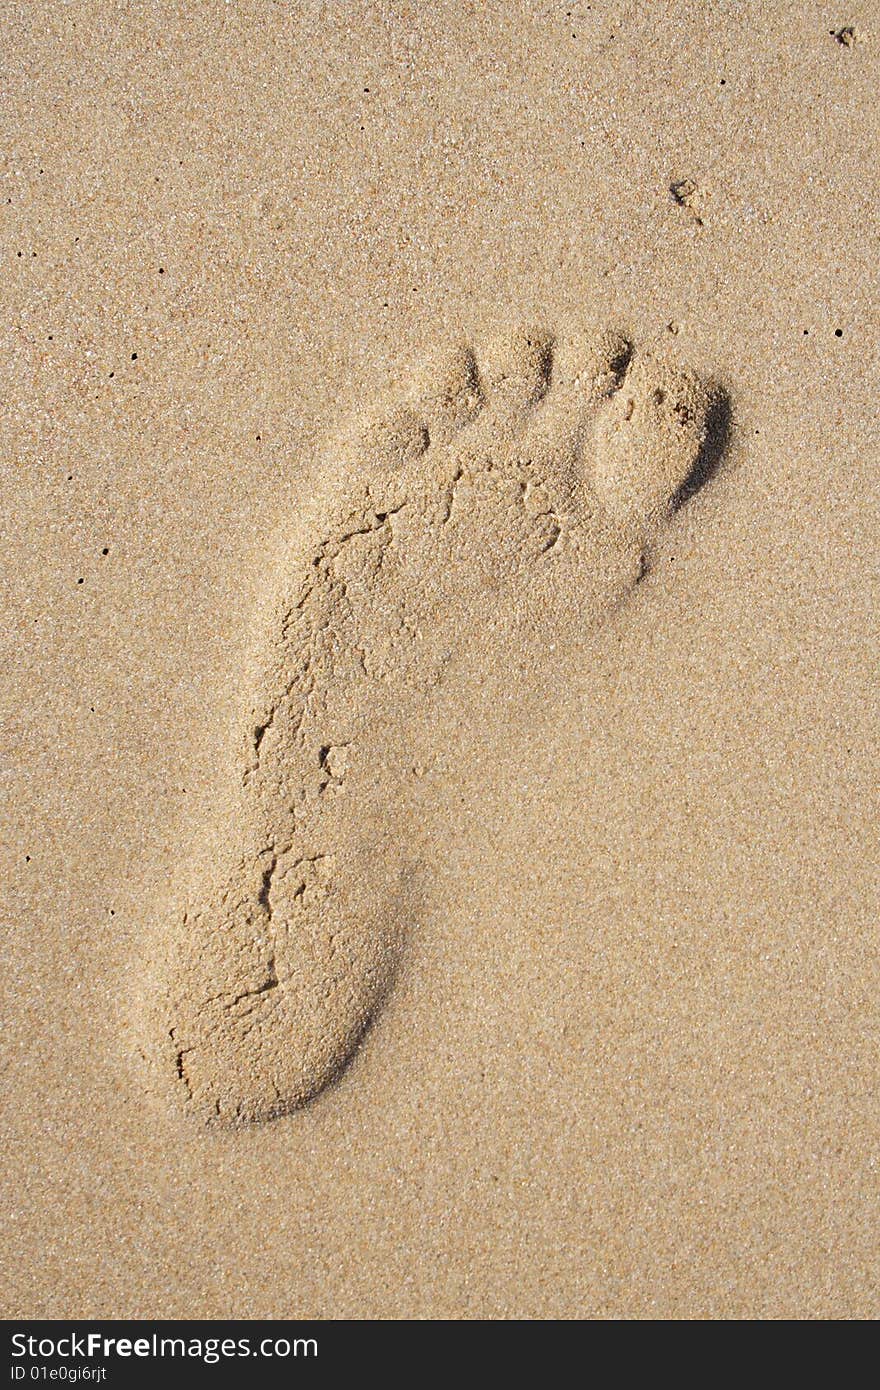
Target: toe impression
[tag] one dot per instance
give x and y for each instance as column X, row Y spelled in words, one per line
column 517, row 368
column 652, row 439
column 449, row 395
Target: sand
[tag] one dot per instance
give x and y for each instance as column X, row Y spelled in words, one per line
column 599, row 1033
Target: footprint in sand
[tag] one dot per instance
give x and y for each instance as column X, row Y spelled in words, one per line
column 511, row 490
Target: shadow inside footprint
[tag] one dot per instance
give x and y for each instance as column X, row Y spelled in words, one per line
column 712, row 450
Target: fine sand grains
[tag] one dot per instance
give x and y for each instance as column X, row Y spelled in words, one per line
column 595, row 858
column 513, row 496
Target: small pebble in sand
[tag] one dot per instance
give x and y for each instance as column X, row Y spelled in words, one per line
column 688, row 195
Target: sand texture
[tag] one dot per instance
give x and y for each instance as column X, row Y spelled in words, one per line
column 439, row 747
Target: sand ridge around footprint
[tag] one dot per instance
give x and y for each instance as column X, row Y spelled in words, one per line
column 510, row 489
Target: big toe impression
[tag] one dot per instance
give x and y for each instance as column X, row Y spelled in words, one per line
column 651, row 441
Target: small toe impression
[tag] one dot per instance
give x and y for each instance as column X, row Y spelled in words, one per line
column 517, row 368
column 653, row 439
column 394, row 440
column 593, row 366
column 449, row 394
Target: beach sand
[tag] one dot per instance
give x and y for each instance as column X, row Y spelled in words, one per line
column 623, row 1057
